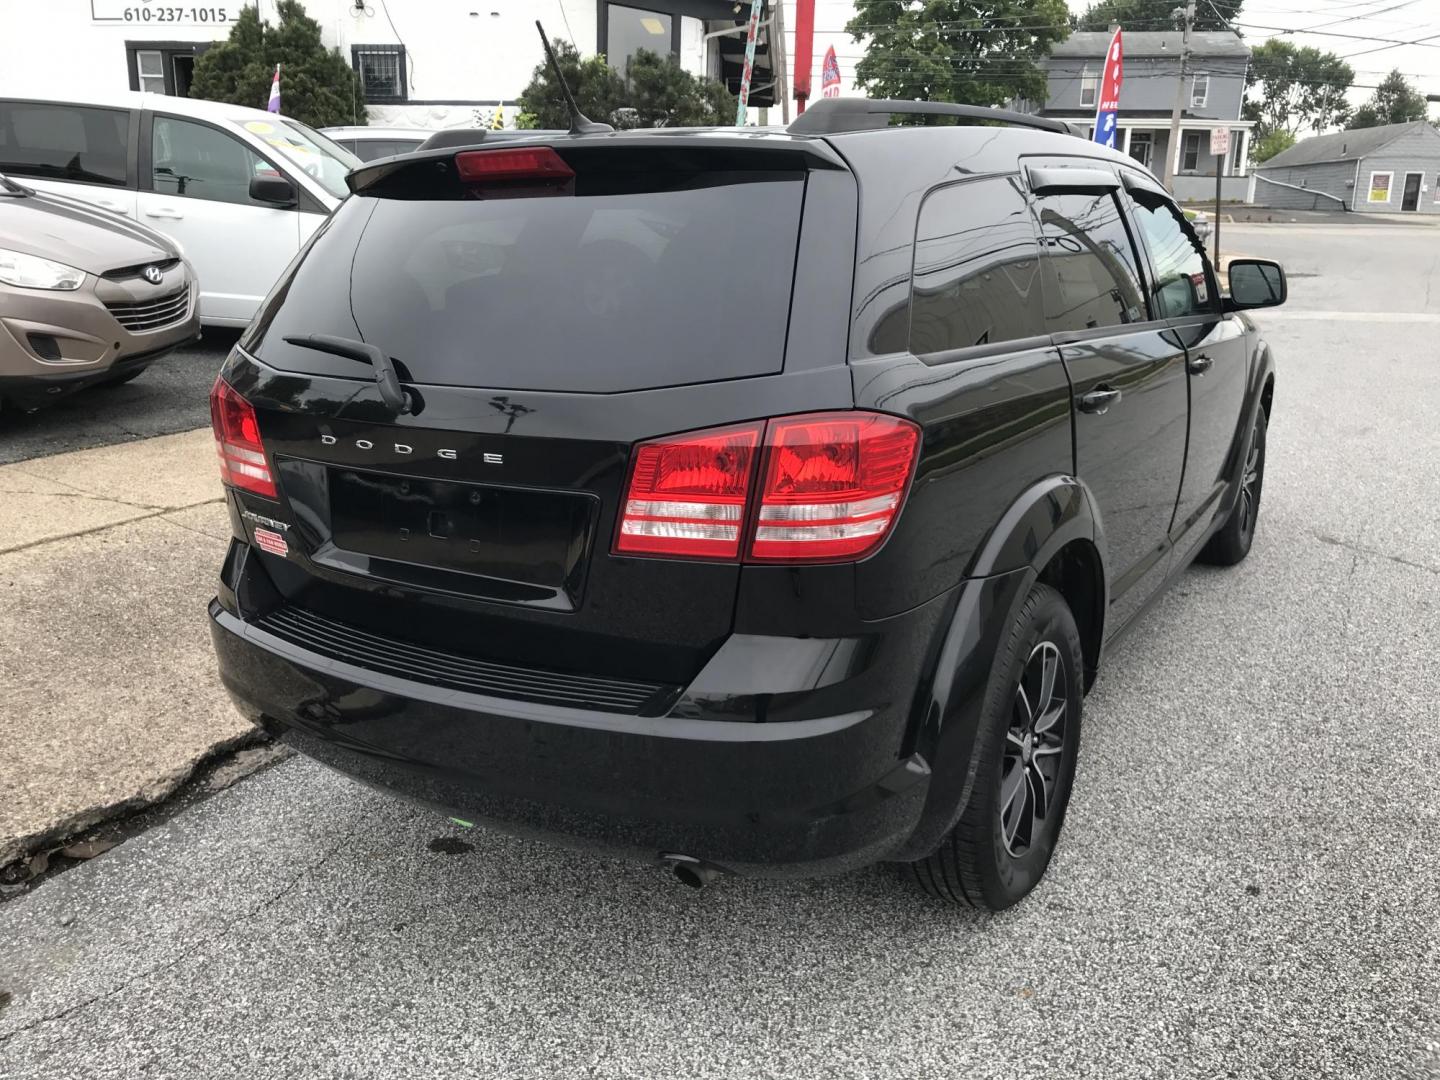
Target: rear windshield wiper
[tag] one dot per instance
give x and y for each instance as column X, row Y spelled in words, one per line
column 391, row 392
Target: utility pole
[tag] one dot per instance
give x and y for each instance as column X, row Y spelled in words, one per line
column 1172, row 148
column 778, row 65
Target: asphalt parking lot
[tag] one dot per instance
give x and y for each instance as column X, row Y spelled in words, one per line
column 1247, row 885
column 174, row 395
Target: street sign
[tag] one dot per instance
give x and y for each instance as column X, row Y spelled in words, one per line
column 1219, row 141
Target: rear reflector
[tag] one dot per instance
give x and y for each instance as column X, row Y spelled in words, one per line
column 243, row 463
column 521, row 163
column 832, row 485
column 687, row 494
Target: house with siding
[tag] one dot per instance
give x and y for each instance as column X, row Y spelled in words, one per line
column 1390, row 169
column 1214, row 84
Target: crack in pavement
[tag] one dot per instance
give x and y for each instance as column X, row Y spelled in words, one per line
column 1361, row 549
column 186, row 952
column 78, row 491
column 165, row 517
column 81, row 495
column 14, row 848
column 109, row 525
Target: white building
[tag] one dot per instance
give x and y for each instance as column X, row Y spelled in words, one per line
column 425, row 63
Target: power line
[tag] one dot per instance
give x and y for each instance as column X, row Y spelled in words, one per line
column 1424, row 42
column 1382, row 48
column 1362, row 15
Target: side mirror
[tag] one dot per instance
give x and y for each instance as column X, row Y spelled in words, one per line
column 273, row 189
column 1256, row 283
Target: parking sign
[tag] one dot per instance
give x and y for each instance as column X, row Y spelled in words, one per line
column 1220, row 141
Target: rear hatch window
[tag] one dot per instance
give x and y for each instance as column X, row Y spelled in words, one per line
column 634, row 277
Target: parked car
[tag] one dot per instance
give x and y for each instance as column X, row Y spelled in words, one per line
column 761, row 503
column 372, row 143
column 85, row 297
column 240, row 190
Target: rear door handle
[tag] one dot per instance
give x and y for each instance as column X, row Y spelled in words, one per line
column 1198, row 365
column 165, row 212
column 106, row 204
column 1097, row 401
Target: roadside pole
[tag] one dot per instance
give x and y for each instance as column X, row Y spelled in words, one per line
column 749, row 70
column 1218, row 159
column 1172, row 148
column 1220, row 148
column 779, row 62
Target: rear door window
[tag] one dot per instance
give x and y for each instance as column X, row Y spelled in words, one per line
column 977, row 269
column 1090, row 265
column 64, row 142
column 590, row 293
column 1183, row 282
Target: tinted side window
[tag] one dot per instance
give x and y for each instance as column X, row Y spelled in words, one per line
column 1090, row 276
column 203, row 163
column 1182, row 285
column 64, row 142
column 977, row 268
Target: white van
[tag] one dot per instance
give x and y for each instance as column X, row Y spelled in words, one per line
column 238, row 189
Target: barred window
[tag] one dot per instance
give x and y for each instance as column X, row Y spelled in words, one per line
column 381, row 69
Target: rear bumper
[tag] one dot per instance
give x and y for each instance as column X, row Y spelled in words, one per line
column 779, row 798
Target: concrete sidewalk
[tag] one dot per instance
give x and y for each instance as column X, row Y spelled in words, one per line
column 108, row 694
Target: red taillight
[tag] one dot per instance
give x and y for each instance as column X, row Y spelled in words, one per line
column 520, row 163
column 243, row 463
column 833, row 483
column 831, row 487
column 687, row 494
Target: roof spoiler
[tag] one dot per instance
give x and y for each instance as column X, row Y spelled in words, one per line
column 831, row 116
column 453, row 137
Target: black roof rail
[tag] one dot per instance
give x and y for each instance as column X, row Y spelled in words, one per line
column 830, row 116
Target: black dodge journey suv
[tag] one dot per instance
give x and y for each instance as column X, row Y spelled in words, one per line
column 747, row 502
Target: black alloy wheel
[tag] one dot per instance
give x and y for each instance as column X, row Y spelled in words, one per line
column 1025, row 749
column 1034, row 745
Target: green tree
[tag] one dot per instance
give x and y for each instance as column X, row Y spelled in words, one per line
column 317, row 86
column 1267, row 146
column 655, row 92
column 974, row 52
column 663, row 94
column 1298, row 88
column 1150, row 15
column 1395, row 101
column 598, row 90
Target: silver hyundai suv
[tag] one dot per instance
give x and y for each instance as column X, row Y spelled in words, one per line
column 85, row 297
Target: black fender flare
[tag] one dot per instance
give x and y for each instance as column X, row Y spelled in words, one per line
column 1262, row 372
column 1047, row 516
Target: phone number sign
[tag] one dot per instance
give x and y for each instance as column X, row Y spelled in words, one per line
column 158, row 13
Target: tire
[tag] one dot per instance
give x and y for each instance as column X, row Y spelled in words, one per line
column 1232, row 543
column 999, row 849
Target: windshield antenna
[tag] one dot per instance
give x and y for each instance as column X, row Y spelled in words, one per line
column 580, row 124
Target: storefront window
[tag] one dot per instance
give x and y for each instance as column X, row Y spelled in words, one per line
column 628, row 30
